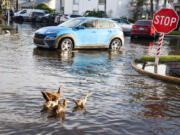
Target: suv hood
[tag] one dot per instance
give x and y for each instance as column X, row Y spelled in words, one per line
column 44, row 30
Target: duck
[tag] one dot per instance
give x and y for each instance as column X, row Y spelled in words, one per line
column 61, row 107
column 51, row 96
column 81, row 102
column 49, row 105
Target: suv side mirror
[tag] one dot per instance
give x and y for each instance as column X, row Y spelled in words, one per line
column 81, row 27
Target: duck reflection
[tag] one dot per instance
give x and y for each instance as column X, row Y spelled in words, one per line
column 61, row 116
column 81, row 109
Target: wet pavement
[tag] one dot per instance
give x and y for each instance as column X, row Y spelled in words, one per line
column 123, row 102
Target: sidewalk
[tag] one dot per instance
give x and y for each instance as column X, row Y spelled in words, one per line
column 139, row 67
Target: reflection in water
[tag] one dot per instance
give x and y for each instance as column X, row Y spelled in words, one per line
column 60, row 116
column 156, row 104
column 145, row 42
column 170, row 68
column 53, row 54
column 80, row 109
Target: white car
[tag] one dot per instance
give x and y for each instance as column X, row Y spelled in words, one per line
column 65, row 17
column 27, row 14
column 124, row 24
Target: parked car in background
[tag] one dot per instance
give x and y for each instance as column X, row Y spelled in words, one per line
column 83, row 32
column 124, row 24
column 47, row 18
column 65, row 17
column 143, row 28
column 34, row 15
column 27, row 14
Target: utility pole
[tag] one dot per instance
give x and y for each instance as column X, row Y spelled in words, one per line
column 165, row 1
column 151, row 8
column 157, row 4
column 105, row 2
column 17, row 5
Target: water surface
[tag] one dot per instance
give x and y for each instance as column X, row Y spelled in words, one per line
column 123, row 102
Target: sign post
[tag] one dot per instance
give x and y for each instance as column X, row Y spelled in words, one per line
column 164, row 21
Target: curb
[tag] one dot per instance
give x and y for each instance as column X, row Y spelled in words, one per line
column 172, row 36
column 156, row 76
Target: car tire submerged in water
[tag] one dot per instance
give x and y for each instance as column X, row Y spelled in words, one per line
column 66, row 44
column 116, row 44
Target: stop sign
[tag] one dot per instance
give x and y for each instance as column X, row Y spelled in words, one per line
column 165, row 20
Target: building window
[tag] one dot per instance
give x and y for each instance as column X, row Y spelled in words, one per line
column 102, row 2
column 75, row 12
column 75, row 2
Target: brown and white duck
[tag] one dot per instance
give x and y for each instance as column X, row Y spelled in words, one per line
column 51, row 104
column 51, row 96
column 81, row 102
column 61, row 107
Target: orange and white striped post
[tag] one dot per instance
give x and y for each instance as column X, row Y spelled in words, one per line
column 160, row 43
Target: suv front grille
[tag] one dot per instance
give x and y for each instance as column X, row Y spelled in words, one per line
column 39, row 39
column 40, row 36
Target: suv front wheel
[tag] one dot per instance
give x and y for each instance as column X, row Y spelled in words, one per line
column 116, row 44
column 66, row 44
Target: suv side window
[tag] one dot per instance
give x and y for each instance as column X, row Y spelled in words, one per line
column 105, row 24
column 90, row 24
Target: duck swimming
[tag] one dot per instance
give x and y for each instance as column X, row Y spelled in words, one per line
column 51, row 104
column 51, row 96
column 61, row 107
column 81, row 102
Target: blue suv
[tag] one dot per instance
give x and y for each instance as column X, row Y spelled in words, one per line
column 83, row 32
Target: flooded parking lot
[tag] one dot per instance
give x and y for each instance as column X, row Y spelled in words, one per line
column 123, row 102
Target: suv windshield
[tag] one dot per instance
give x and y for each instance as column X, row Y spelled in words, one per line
column 143, row 23
column 71, row 23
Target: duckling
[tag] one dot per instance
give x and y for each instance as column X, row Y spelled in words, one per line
column 50, row 96
column 61, row 107
column 81, row 102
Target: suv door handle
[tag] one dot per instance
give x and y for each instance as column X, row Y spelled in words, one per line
column 109, row 30
column 94, row 32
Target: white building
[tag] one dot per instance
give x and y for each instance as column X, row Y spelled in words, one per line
column 114, row 8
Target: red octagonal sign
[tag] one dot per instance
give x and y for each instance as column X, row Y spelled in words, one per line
column 165, row 20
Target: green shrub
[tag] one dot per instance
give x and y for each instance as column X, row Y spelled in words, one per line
column 131, row 20
column 169, row 58
column 174, row 33
column 44, row 7
column 95, row 13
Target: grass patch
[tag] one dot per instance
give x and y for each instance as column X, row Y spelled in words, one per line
column 174, row 33
column 162, row 59
column 5, row 26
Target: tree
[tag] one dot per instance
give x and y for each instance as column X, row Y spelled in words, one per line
column 95, row 13
column 138, row 5
column 44, row 7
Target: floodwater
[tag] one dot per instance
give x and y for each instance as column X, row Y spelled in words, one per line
column 123, row 102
